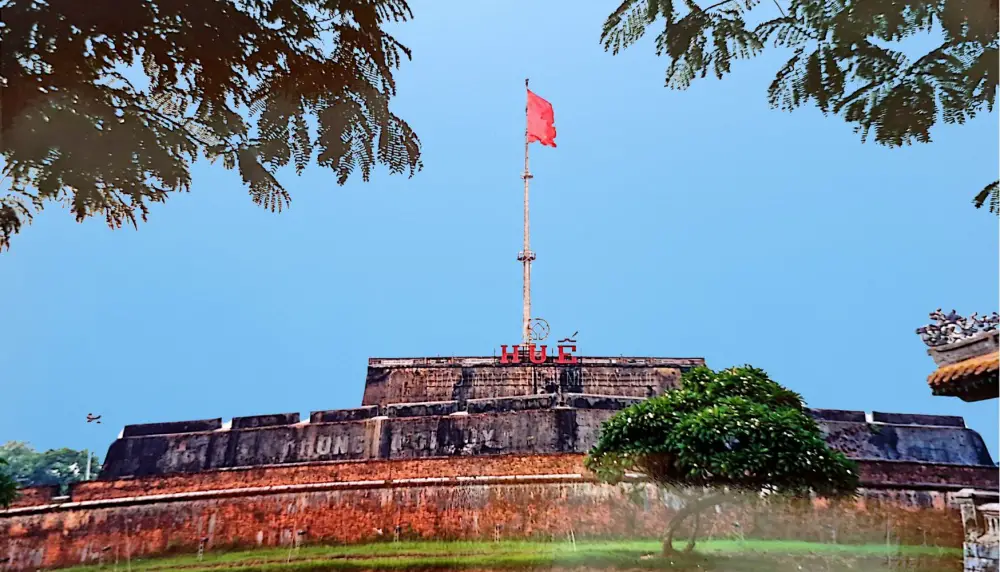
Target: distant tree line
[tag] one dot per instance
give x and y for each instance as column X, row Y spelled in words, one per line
column 22, row 466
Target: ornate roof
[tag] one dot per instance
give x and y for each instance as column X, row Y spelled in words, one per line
column 966, row 353
column 971, row 377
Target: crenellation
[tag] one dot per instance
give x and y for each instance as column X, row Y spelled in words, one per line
column 507, row 404
column 340, row 415
column 838, row 415
column 916, row 419
column 433, row 408
column 460, row 379
column 195, row 426
column 254, row 421
column 526, row 424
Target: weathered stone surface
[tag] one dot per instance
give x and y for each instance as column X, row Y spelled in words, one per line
column 954, row 445
column 916, row 419
column 980, row 344
column 507, row 404
column 39, row 495
column 874, row 474
column 459, row 379
column 838, row 415
column 611, row 402
column 552, row 430
column 172, row 427
column 435, row 408
column 981, row 521
column 472, row 435
column 533, row 496
column 338, row 415
column 255, row 421
column 463, row 448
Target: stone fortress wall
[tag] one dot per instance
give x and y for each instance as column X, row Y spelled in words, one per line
column 510, row 426
column 451, row 448
column 426, row 407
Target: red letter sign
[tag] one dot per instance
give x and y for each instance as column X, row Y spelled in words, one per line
column 531, row 354
column 565, row 357
column 506, row 357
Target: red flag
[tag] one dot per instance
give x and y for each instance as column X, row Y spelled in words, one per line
column 540, row 121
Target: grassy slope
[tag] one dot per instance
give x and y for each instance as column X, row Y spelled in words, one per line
column 712, row 555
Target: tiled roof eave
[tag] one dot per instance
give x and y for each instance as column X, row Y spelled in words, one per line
column 961, row 386
column 966, row 371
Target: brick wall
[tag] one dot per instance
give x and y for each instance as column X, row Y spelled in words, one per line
column 331, row 472
column 929, row 475
column 874, row 473
column 81, row 535
column 33, row 496
column 456, row 498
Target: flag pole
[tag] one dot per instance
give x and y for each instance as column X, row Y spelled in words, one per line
column 526, row 255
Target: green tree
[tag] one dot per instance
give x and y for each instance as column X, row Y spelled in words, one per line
column 61, row 467
column 8, row 486
column 106, row 104
column 724, row 436
column 847, row 57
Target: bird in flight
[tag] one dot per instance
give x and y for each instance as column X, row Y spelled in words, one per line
column 91, row 418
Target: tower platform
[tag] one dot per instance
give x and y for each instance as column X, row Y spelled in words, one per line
column 470, row 406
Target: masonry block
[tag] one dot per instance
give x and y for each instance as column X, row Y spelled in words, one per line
column 613, row 402
column 838, row 415
column 915, row 419
column 172, row 427
column 506, row 404
column 273, row 420
column 436, row 408
column 341, row 415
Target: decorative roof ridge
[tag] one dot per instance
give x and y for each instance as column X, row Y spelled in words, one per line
column 952, row 328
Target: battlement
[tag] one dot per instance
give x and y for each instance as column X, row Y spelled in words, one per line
column 495, row 405
column 621, row 361
column 543, row 424
column 460, row 379
column 416, row 408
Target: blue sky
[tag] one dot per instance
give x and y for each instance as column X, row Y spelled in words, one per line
column 696, row 223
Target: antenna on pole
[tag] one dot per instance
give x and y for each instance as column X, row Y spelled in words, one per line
column 526, row 256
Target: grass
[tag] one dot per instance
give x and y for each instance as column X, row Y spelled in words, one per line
column 731, row 555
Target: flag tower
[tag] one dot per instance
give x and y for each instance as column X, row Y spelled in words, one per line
column 539, row 126
column 526, row 256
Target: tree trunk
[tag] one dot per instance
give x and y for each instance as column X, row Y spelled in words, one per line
column 668, row 542
column 694, row 533
column 692, row 507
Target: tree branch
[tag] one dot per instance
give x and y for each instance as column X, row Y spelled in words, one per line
column 854, row 95
column 717, row 4
column 182, row 127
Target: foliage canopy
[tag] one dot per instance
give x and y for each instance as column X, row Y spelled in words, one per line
column 8, row 486
column 62, row 467
column 846, row 57
column 106, row 114
column 734, row 428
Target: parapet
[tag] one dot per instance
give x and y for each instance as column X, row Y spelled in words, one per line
column 393, row 381
column 467, row 406
column 341, row 415
column 172, row 427
column 889, row 418
column 255, row 421
column 539, row 424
